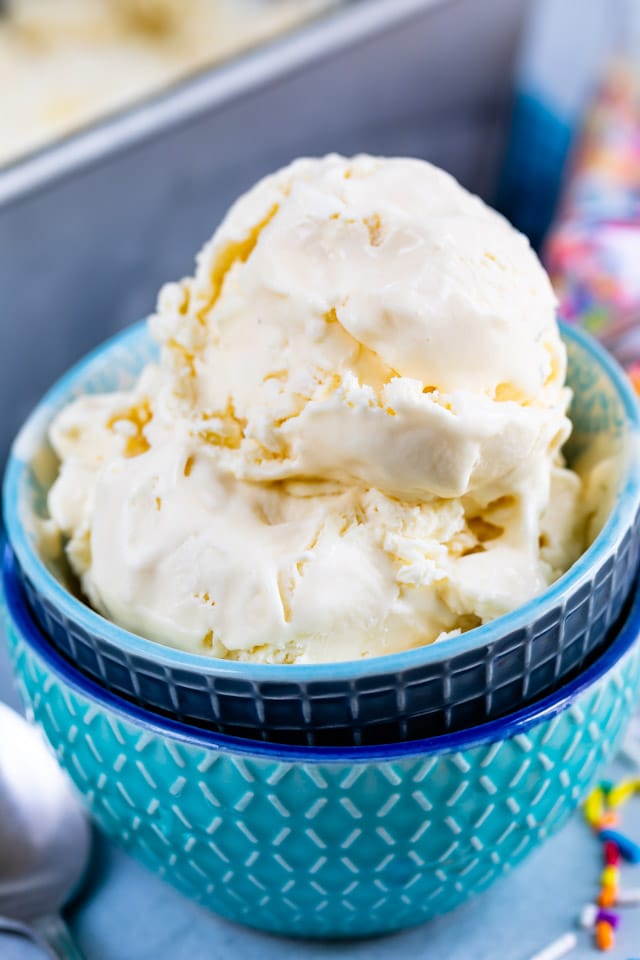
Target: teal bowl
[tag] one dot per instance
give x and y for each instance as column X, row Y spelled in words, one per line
column 326, row 842
column 428, row 691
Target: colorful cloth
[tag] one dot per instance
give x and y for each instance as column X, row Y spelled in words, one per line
column 593, row 250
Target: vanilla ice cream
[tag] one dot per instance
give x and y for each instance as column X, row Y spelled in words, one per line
column 64, row 63
column 350, row 444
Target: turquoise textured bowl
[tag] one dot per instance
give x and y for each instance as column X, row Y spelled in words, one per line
column 423, row 692
column 326, row 842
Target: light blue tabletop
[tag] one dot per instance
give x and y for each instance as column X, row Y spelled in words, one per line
column 126, row 913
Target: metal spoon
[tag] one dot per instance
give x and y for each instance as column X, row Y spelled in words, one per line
column 44, row 839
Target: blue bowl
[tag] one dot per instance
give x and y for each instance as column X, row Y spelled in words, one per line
column 427, row 691
column 326, row 842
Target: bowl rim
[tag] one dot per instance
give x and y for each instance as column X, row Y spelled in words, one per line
column 130, row 644
column 14, row 605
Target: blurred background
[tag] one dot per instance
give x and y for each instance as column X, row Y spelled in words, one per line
column 128, row 127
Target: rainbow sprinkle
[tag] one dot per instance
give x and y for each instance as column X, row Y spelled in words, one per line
column 592, row 250
column 601, row 813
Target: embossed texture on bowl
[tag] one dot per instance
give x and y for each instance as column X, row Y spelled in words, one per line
column 428, row 691
column 326, row 842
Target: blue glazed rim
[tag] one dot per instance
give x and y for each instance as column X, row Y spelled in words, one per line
column 43, row 581
column 518, row 722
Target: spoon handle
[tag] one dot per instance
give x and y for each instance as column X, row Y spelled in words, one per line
column 17, row 929
column 55, row 932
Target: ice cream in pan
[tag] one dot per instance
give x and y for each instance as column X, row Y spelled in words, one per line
column 66, row 63
column 351, row 441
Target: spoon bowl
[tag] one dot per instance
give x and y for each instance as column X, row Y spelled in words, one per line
column 44, row 834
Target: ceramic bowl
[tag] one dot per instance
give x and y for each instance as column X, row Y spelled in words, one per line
column 426, row 691
column 326, row 842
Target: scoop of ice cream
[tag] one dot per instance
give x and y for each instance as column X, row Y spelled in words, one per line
column 350, row 444
column 368, row 321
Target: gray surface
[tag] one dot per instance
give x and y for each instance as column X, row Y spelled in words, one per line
column 87, row 255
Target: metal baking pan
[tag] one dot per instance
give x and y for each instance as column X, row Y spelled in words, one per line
column 91, row 226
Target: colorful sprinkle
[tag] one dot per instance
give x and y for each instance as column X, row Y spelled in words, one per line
column 588, row 915
column 629, row 849
column 628, row 898
column 605, row 937
column 559, row 948
column 608, row 820
column 606, row 916
column 594, row 807
column 616, row 846
column 608, row 897
column 611, row 853
column 620, row 794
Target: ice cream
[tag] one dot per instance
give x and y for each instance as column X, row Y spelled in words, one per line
column 350, row 444
column 65, row 63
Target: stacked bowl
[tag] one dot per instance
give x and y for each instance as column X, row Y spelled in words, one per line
column 334, row 799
